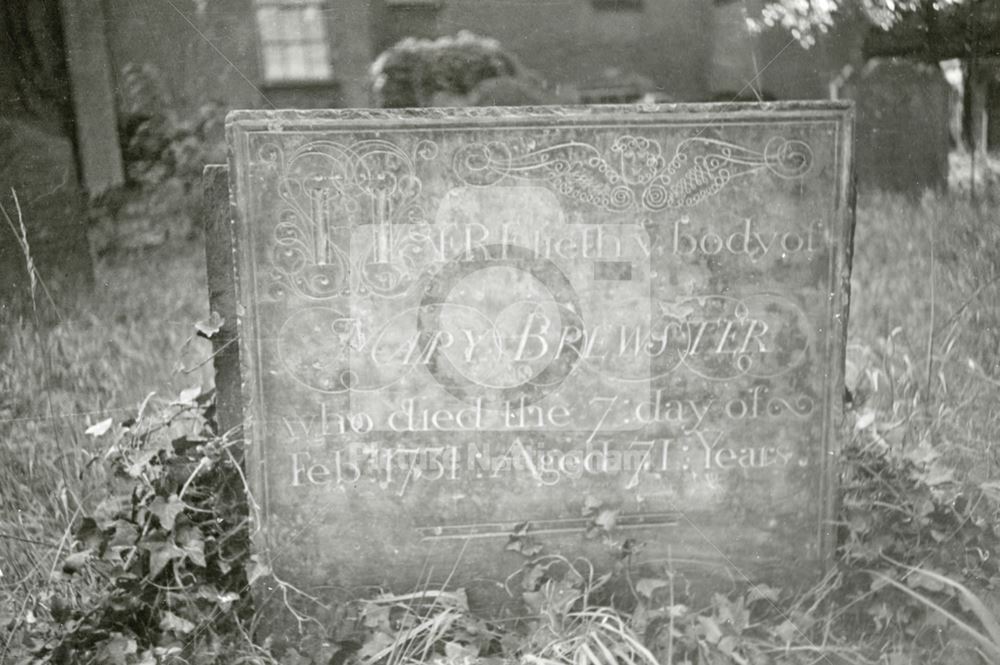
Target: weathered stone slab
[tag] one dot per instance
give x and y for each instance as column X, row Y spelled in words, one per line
column 902, row 126
column 219, row 260
column 619, row 325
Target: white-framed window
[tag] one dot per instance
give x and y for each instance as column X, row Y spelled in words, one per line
column 293, row 39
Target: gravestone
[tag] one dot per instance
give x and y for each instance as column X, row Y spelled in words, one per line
column 903, row 116
column 467, row 336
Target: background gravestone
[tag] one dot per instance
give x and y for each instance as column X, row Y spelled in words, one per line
column 902, row 125
column 469, row 336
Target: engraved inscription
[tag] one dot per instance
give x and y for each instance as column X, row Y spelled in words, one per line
column 453, row 326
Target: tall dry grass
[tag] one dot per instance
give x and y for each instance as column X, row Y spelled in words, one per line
column 924, row 333
column 923, row 361
column 101, row 358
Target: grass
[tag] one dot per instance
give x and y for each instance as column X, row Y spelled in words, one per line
column 923, row 368
column 988, row 639
column 101, row 359
column 925, row 323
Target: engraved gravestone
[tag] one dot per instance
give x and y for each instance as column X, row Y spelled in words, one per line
column 597, row 327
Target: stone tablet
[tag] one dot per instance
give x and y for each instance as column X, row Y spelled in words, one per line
column 468, row 336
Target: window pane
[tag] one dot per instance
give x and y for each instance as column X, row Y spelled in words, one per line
column 296, row 55
column 272, row 63
column 293, row 39
column 267, row 19
column 312, row 23
column 287, row 29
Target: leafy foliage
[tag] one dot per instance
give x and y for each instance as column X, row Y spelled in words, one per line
column 908, row 522
column 158, row 571
column 414, row 71
column 165, row 147
column 805, row 18
column 159, row 141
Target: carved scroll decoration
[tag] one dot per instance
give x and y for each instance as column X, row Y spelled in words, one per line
column 634, row 174
column 331, row 191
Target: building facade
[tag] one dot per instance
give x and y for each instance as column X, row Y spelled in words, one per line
column 316, row 53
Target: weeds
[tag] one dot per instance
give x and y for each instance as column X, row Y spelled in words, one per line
column 118, row 547
column 99, row 359
column 988, row 639
column 162, row 560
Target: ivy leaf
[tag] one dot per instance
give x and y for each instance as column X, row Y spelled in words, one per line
column 99, row 429
column 226, row 600
column 293, row 657
column 880, row 580
column 762, row 592
column 140, row 465
column 125, row 534
column 918, row 579
column 210, row 326
column 167, row 510
column 531, row 547
column 733, row 613
column 991, row 489
column 188, row 535
column 606, row 519
column 520, row 529
column 921, row 454
column 525, row 545
column 648, row 586
column 376, row 616
column 728, row 644
column 183, row 445
column 590, row 505
column 257, row 569
column 188, row 396
column 533, row 600
column 194, row 550
column 74, row 562
column 117, row 649
column 711, row 629
column 148, row 657
column 864, row 420
column 379, row 644
column 88, row 535
column 532, row 577
column 786, row 631
column 170, row 622
column 939, row 474
column 522, row 542
column 677, row 611
column 161, row 553
column 457, row 652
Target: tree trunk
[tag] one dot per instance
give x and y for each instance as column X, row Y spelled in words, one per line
column 38, row 161
column 974, row 94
